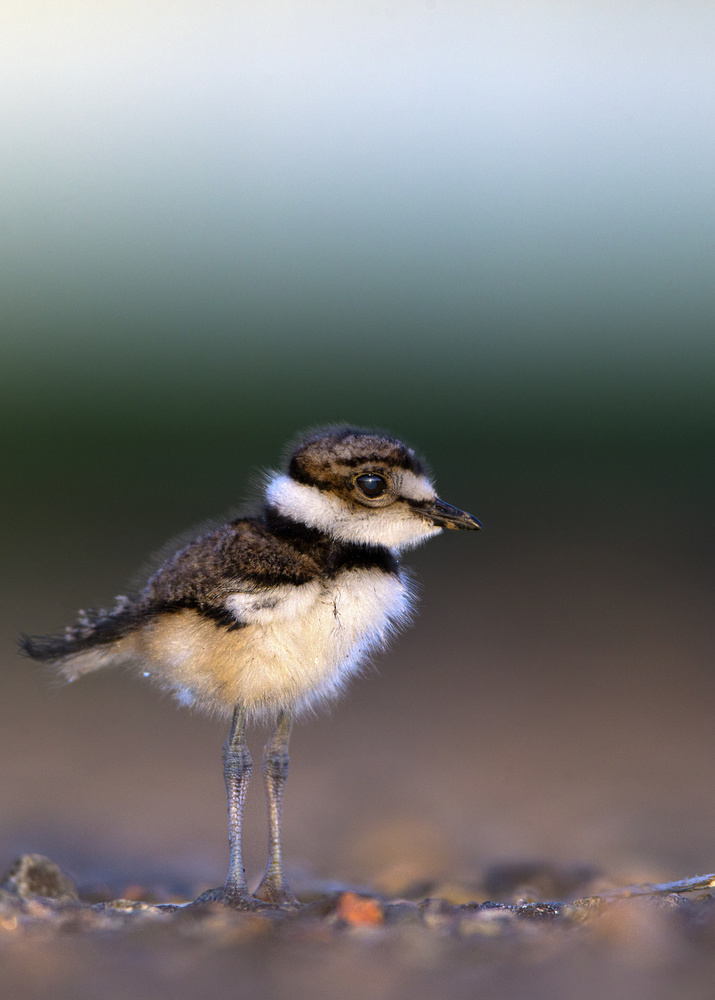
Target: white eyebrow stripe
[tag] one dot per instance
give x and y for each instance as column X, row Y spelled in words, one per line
column 413, row 487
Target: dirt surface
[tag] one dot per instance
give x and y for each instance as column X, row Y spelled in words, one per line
column 347, row 943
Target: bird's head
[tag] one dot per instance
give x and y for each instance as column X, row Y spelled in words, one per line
column 362, row 487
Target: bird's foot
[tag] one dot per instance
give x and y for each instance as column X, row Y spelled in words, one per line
column 275, row 892
column 235, row 899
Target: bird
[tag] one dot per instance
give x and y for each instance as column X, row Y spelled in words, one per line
column 267, row 617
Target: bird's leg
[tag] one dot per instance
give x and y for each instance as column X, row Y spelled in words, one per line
column 237, row 767
column 273, row 887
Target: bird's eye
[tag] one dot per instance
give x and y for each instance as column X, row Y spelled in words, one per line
column 371, row 485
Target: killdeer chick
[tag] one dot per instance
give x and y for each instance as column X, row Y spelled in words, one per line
column 269, row 616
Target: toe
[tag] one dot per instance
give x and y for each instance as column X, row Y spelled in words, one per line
column 276, row 894
column 235, row 899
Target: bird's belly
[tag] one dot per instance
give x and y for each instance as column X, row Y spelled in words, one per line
column 297, row 647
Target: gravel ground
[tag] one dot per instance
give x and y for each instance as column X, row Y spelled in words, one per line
column 347, row 943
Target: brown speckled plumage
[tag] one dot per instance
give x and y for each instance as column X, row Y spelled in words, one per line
column 267, row 550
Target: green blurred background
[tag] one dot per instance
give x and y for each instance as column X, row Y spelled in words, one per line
column 486, row 227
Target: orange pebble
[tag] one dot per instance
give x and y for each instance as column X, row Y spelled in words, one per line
column 359, row 911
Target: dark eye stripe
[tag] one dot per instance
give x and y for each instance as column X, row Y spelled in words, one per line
column 371, row 484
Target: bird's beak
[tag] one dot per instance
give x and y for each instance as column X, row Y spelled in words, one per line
column 445, row 516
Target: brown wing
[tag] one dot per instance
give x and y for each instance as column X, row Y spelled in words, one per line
column 201, row 575
column 234, row 557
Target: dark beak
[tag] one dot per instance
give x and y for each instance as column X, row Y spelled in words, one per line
column 446, row 516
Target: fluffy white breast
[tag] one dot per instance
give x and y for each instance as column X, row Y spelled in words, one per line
column 300, row 645
column 395, row 527
column 297, row 648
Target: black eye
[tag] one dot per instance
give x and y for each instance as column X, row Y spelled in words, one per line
column 371, row 484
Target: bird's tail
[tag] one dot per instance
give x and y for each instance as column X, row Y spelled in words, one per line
column 99, row 639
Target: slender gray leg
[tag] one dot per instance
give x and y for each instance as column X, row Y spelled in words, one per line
column 237, row 767
column 273, row 887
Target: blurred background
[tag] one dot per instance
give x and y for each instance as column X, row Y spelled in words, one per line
column 485, row 227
